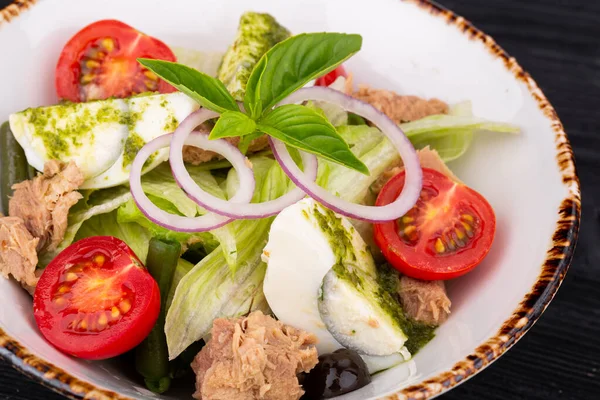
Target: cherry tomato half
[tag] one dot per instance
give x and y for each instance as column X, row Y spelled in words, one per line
column 445, row 235
column 96, row 300
column 328, row 79
column 100, row 62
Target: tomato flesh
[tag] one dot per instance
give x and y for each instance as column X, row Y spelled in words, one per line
column 100, row 62
column 328, row 79
column 445, row 235
column 96, row 300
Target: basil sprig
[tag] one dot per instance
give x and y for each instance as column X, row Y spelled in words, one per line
column 285, row 68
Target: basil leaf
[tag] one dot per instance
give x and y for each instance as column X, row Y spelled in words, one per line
column 307, row 130
column 291, row 64
column 232, row 124
column 206, row 90
column 252, row 95
column 245, row 141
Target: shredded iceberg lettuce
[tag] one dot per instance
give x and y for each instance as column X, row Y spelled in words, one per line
column 136, row 237
column 92, row 204
column 211, row 289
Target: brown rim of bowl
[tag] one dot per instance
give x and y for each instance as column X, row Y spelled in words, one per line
column 14, row 9
column 554, row 268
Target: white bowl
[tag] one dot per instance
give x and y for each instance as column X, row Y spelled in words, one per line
column 410, row 46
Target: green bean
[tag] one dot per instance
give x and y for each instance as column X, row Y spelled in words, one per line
column 13, row 165
column 152, row 355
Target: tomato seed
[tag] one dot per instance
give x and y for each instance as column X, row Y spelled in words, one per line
column 102, row 319
column 63, row 289
column 125, row 306
column 59, row 301
column 83, row 325
column 100, row 259
column 92, row 64
column 409, row 230
column 439, row 246
column 108, row 44
column 87, row 78
column 150, row 75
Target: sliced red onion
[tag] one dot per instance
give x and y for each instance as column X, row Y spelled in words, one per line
column 414, row 174
column 179, row 223
column 242, row 209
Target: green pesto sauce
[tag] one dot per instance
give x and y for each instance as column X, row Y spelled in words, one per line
column 257, row 33
column 339, row 238
column 62, row 139
column 171, row 123
column 133, row 145
column 418, row 333
column 384, row 286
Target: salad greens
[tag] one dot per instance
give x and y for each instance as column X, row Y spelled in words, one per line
column 293, row 63
column 285, row 68
column 92, row 204
column 206, row 90
column 133, row 234
column 289, row 124
column 208, row 291
column 152, row 355
column 257, row 33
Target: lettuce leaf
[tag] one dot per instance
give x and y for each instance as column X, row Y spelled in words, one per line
column 211, row 290
column 133, row 234
column 160, row 183
column 92, row 204
column 130, row 213
column 450, row 135
column 161, row 188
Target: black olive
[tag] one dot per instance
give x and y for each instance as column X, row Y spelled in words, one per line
column 340, row 372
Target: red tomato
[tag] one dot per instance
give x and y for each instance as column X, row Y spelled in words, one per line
column 328, row 79
column 445, row 235
column 100, row 62
column 96, row 300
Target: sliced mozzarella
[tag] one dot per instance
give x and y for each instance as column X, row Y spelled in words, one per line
column 149, row 117
column 304, row 290
column 355, row 318
column 91, row 134
column 298, row 256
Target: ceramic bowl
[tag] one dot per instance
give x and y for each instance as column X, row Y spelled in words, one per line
column 413, row 47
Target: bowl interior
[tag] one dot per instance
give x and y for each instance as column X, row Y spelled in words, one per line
column 405, row 49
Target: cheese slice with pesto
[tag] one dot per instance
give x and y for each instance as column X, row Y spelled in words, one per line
column 102, row 137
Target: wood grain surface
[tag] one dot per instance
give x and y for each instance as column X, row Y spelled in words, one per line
column 558, row 42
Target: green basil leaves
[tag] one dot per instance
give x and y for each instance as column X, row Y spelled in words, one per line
column 306, row 129
column 206, row 90
column 285, row 68
column 291, row 64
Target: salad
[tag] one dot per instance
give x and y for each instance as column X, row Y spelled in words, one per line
column 251, row 217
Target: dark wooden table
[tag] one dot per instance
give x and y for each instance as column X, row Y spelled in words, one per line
column 558, row 42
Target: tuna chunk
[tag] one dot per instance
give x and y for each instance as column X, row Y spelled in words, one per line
column 43, row 203
column 424, row 301
column 400, row 108
column 428, row 158
column 197, row 156
column 254, row 357
column 17, row 252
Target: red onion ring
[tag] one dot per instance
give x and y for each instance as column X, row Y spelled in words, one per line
column 225, row 208
column 414, row 174
column 179, row 223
